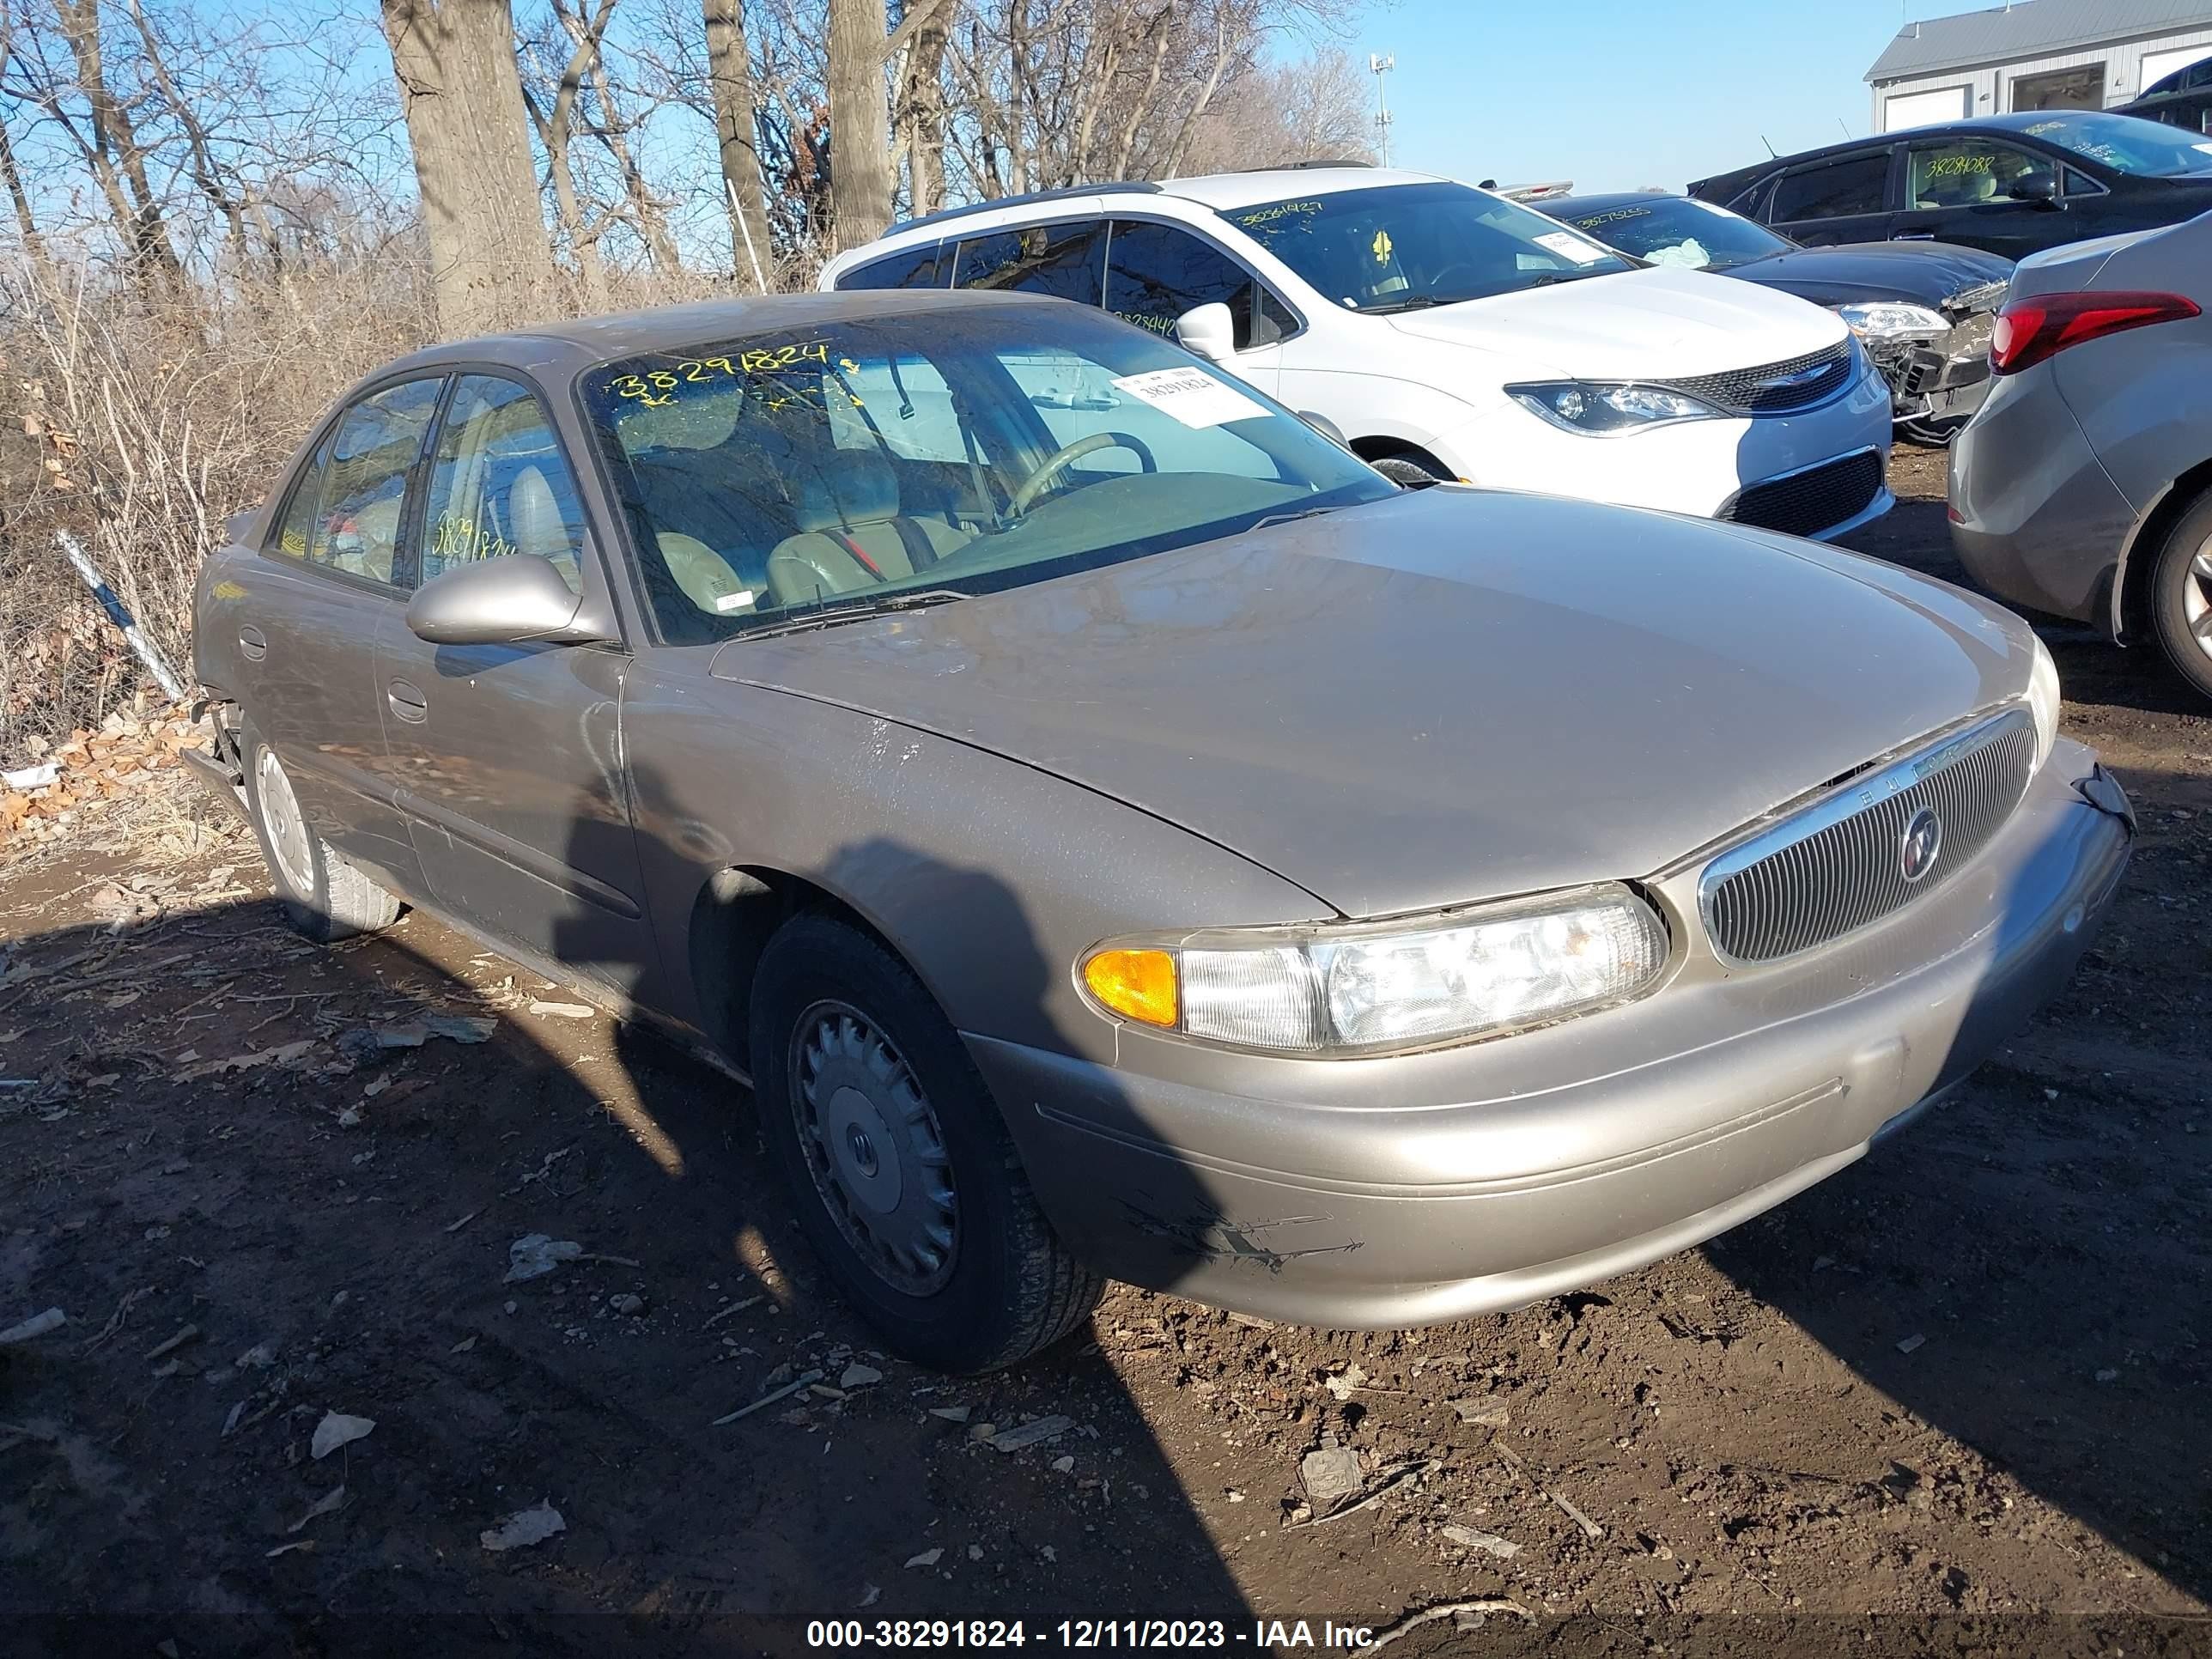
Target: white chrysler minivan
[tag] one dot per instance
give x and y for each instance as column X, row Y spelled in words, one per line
column 1449, row 333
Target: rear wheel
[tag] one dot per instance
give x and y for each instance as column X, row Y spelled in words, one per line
column 908, row 1184
column 2181, row 596
column 324, row 897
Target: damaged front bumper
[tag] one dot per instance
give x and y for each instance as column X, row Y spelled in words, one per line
column 1939, row 382
column 1427, row 1188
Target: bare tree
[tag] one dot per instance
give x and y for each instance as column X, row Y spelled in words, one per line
column 730, row 78
column 862, row 177
column 463, row 98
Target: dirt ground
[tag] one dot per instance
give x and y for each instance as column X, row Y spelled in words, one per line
column 1954, row 1399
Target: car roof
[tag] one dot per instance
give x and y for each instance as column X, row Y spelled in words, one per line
column 1219, row 191
column 622, row 333
column 2021, row 121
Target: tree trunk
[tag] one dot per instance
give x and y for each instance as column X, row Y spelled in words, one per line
column 117, row 164
column 730, row 75
column 925, row 117
column 490, row 260
column 26, row 223
column 860, row 176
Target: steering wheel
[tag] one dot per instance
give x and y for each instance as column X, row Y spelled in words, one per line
column 1060, row 459
column 1437, row 277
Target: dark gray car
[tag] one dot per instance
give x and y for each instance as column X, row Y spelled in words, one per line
column 1120, row 833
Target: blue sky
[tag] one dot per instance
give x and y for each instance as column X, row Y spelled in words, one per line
column 1616, row 95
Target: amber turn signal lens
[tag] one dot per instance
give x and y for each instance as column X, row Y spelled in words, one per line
column 1138, row 985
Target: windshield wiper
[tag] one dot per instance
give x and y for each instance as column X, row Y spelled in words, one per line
column 1293, row 517
column 824, row 615
column 1418, row 302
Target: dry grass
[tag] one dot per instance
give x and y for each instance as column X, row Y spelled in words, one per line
column 147, row 418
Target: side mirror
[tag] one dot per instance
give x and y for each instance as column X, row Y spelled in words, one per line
column 1207, row 332
column 2040, row 189
column 519, row 599
column 1328, row 428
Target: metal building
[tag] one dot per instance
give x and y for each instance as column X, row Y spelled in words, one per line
column 2036, row 54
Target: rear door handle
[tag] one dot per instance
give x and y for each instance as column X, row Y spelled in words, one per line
column 253, row 642
column 407, row 702
column 1912, row 236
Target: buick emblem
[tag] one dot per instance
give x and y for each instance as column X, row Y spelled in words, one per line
column 1924, row 841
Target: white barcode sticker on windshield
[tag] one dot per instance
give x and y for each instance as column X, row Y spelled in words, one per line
column 1190, row 395
column 1568, row 245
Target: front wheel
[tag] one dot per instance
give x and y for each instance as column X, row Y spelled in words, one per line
column 2181, row 596
column 907, row 1182
column 1410, row 472
column 325, row 898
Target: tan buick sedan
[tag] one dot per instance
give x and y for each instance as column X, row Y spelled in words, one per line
column 1120, row 833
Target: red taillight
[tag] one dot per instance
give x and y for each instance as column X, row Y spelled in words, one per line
column 2044, row 325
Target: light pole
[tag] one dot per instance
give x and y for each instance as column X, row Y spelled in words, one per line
column 1380, row 64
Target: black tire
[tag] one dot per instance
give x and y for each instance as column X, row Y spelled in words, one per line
column 2181, row 582
column 1007, row 1288
column 329, row 899
column 1410, row 472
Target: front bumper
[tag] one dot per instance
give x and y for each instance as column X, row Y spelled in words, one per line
column 1697, row 467
column 1428, row 1188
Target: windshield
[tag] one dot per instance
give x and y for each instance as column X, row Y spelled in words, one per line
column 1397, row 247
column 1678, row 230
column 2128, row 144
column 956, row 450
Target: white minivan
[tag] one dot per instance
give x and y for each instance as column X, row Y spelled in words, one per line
column 1451, row 334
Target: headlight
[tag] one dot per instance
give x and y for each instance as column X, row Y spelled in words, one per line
column 2043, row 701
column 1601, row 408
column 1373, row 987
column 1889, row 319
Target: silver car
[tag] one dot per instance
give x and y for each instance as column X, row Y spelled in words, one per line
column 1120, row 833
column 2083, row 485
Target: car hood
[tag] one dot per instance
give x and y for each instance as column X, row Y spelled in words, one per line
column 1924, row 273
column 1655, row 324
column 1449, row 695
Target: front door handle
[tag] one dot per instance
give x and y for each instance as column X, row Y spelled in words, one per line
column 253, row 642
column 1912, row 236
column 407, row 701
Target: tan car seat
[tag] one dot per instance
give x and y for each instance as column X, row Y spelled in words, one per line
column 852, row 534
column 535, row 523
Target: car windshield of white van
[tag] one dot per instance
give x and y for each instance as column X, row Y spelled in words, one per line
column 1396, row 247
column 2127, row 144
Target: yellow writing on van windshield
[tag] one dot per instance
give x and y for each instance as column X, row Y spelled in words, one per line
column 1267, row 216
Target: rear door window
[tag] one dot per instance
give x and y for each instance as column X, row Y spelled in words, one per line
column 1834, row 190
column 913, row 267
column 1059, row 260
column 346, row 511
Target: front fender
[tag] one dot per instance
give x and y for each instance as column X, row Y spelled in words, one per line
column 989, row 877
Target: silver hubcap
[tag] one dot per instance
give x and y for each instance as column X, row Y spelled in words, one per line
column 2196, row 598
column 288, row 831
column 874, row 1148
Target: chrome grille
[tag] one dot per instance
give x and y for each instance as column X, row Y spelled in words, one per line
column 1839, row 864
column 1774, row 388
